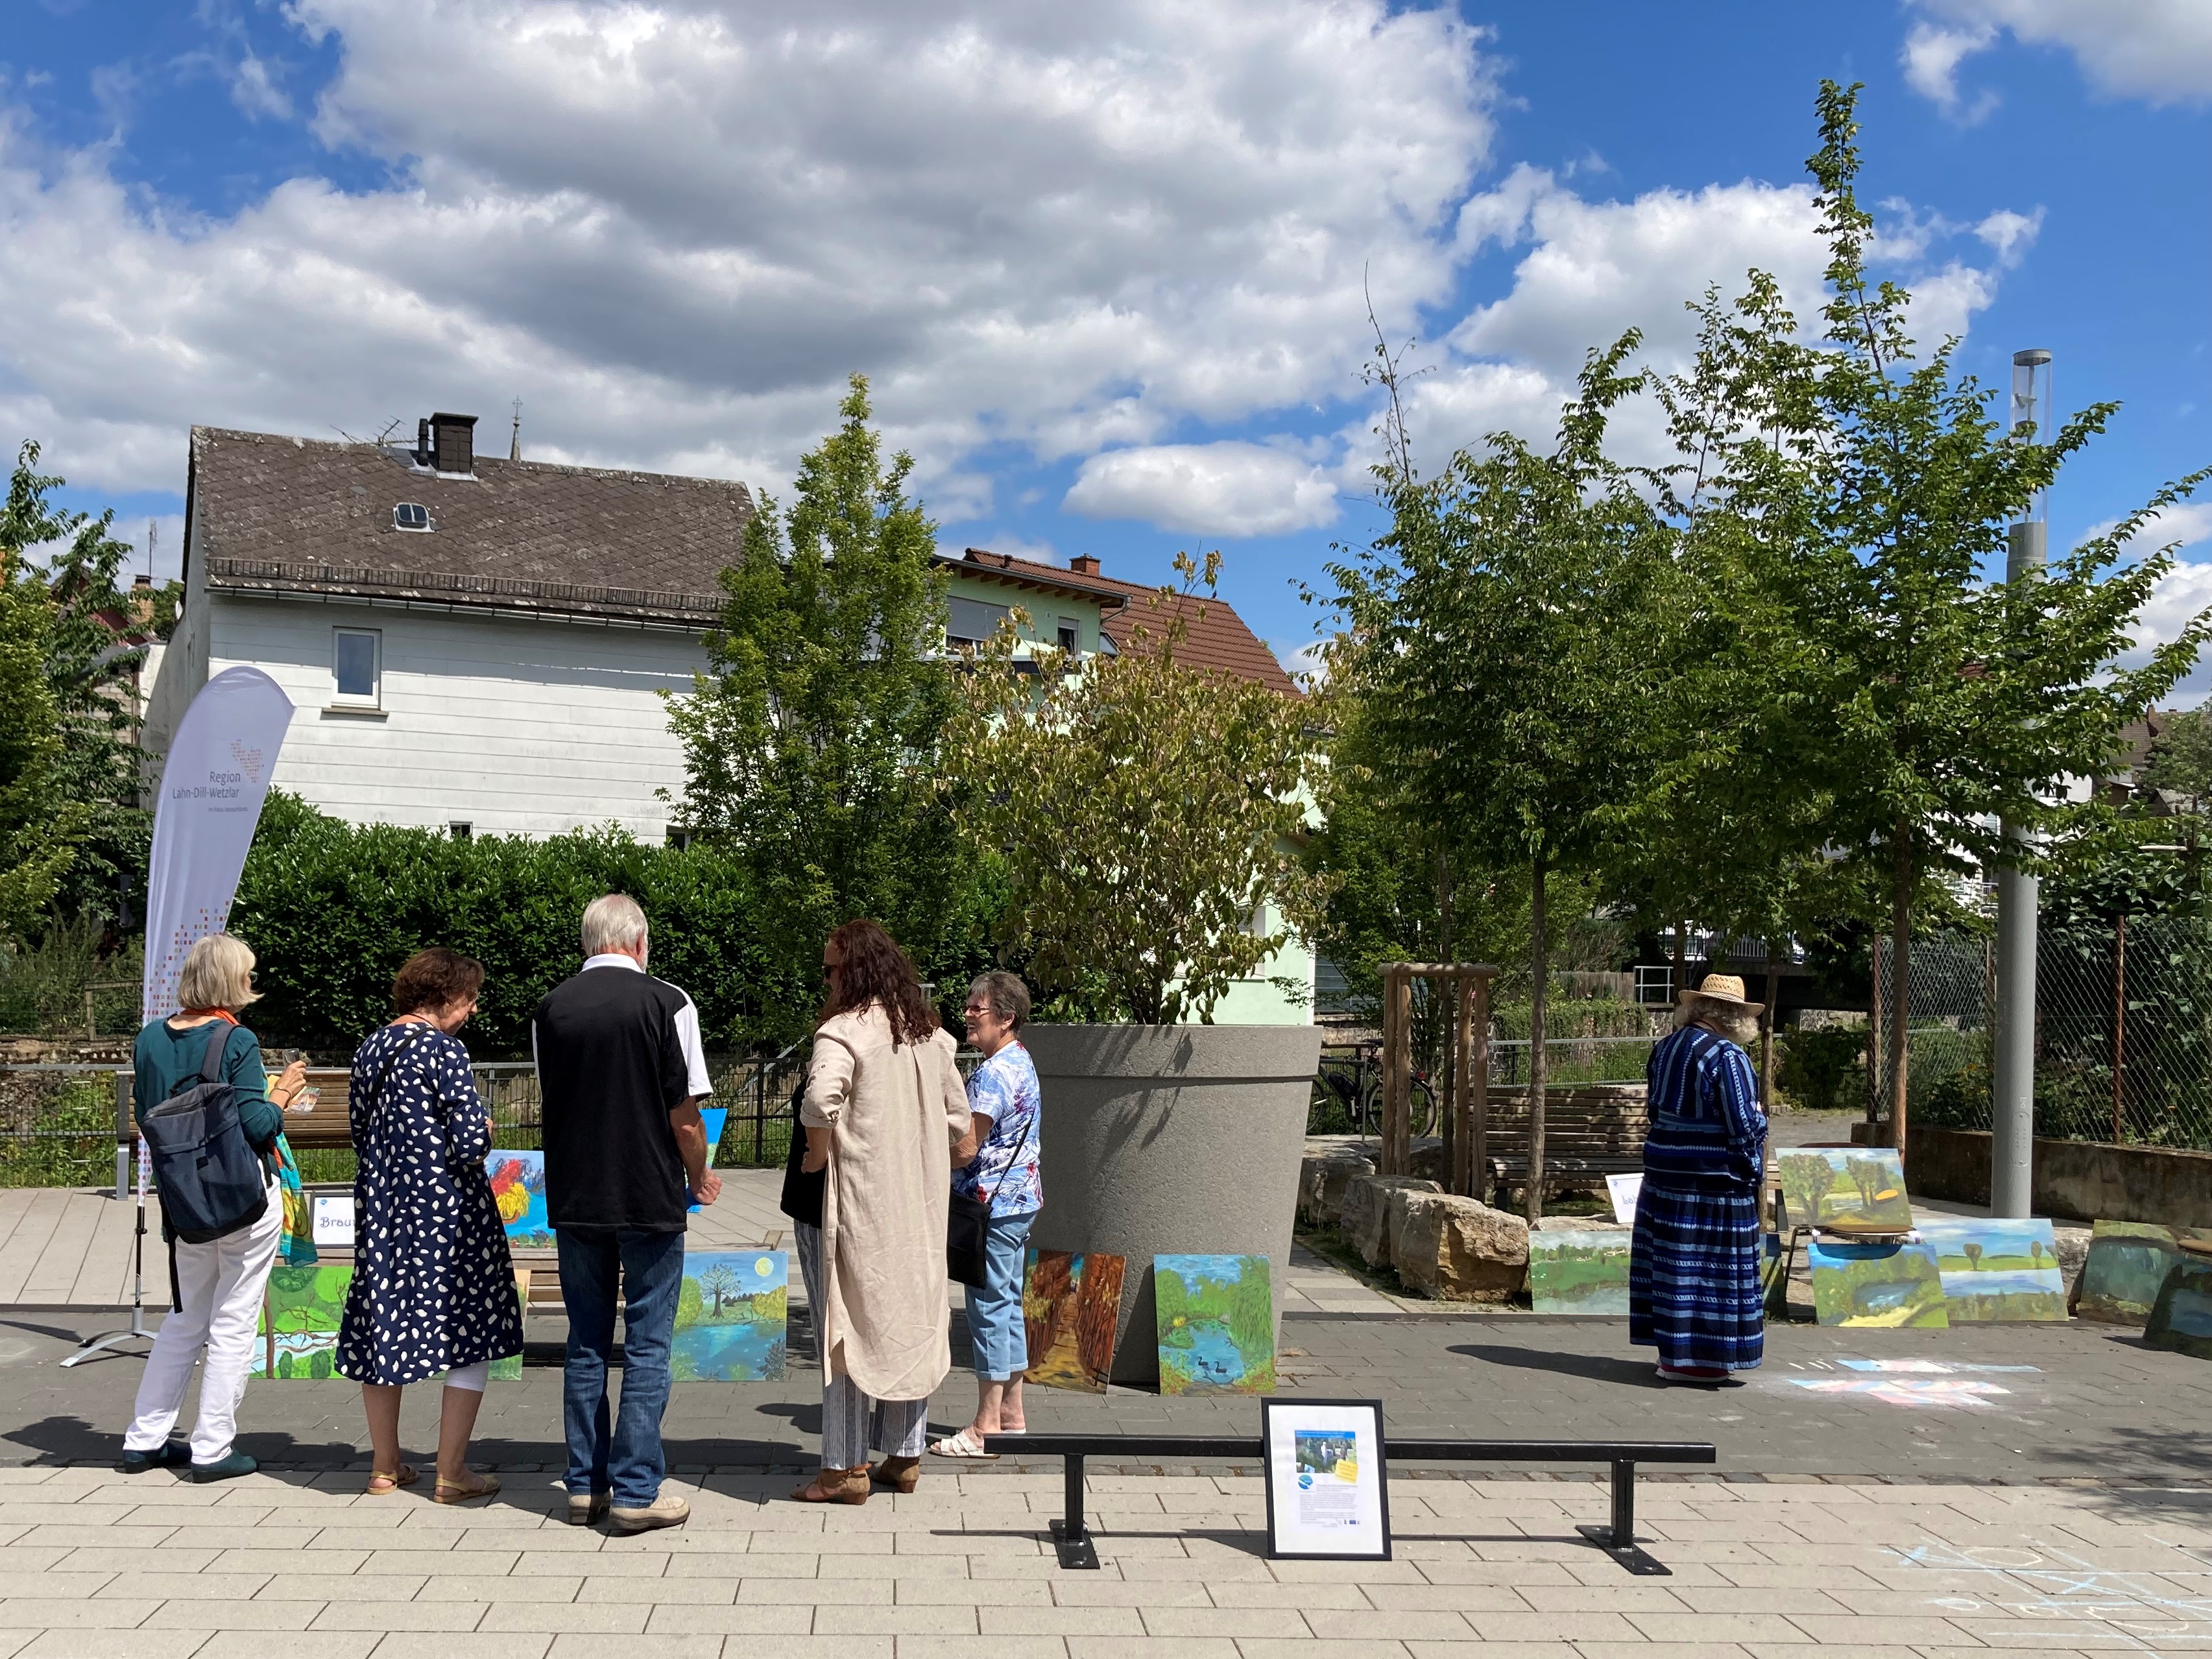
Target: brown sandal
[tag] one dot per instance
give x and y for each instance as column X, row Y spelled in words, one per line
column 899, row 1473
column 836, row 1486
column 383, row 1484
column 463, row 1492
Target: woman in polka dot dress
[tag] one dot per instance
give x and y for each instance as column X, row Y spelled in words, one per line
column 433, row 1284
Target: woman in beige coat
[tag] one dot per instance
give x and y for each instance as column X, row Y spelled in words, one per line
column 886, row 1116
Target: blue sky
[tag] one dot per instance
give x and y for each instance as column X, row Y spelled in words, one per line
column 1108, row 270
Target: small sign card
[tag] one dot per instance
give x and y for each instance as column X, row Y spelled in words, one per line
column 1328, row 1497
column 1624, row 1189
column 334, row 1221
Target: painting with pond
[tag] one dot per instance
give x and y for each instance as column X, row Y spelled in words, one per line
column 1845, row 1189
column 2181, row 1318
column 2127, row 1264
column 1997, row 1270
column 1216, row 1324
column 1882, row 1285
column 730, row 1314
column 1071, row 1304
column 1579, row 1273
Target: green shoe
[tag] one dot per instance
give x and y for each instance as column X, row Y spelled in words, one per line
column 230, row 1468
column 169, row 1455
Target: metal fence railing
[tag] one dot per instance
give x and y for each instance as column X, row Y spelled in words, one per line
column 2122, row 1032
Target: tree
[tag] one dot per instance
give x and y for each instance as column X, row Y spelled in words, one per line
column 1806, row 1179
column 813, row 742
column 2181, row 762
column 1498, row 637
column 38, row 832
column 94, row 646
column 1869, row 493
column 1973, row 1254
column 721, row 1282
column 1143, row 811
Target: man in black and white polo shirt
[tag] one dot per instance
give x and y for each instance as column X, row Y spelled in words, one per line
column 621, row 1075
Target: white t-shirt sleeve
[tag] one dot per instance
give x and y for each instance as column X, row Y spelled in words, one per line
column 695, row 1055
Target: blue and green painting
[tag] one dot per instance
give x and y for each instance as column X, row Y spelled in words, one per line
column 2181, row 1318
column 730, row 1317
column 1216, row 1324
column 1997, row 1270
column 2128, row 1262
column 299, row 1314
column 1890, row 1286
column 1579, row 1273
column 518, row 1187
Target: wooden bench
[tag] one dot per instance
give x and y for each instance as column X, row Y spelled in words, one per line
column 1589, row 1132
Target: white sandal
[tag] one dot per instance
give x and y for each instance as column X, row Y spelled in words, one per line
column 963, row 1445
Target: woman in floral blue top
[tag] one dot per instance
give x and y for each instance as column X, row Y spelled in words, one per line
column 1002, row 1097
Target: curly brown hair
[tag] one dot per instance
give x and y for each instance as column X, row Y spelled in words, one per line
column 435, row 978
column 875, row 970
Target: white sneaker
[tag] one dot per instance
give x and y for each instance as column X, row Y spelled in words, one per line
column 666, row 1511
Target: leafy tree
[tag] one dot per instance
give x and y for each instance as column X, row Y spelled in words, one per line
column 93, row 648
column 1912, row 704
column 1805, row 1180
column 1499, row 638
column 38, row 842
column 721, row 1282
column 1142, row 810
column 2181, row 762
column 813, row 741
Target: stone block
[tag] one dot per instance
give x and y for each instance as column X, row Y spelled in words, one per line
column 1322, row 1178
column 1365, row 1217
column 1444, row 1245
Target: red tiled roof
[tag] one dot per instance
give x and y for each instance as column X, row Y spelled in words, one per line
column 1218, row 638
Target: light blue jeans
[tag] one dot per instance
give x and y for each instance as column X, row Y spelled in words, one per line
column 994, row 1309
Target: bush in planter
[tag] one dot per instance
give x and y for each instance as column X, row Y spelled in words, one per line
column 1142, row 811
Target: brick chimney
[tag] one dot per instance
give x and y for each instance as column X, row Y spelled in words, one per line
column 453, row 443
column 1084, row 564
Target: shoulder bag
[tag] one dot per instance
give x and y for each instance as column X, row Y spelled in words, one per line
column 210, row 1178
column 967, row 1223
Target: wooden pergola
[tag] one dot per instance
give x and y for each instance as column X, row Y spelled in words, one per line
column 1466, row 1116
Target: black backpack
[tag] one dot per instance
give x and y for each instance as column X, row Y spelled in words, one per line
column 210, row 1178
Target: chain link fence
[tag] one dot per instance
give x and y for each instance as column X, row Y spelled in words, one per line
column 2122, row 1032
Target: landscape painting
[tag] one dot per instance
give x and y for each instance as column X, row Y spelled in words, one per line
column 1216, row 1323
column 299, row 1314
column 1845, row 1188
column 518, row 1187
column 2127, row 1263
column 1579, row 1273
column 2181, row 1318
column 1070, row 1305
column 1997, row 1270
column 730, row 1317
column 1888, row 1285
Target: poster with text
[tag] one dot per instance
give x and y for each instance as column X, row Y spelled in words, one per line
column 1328, row 1493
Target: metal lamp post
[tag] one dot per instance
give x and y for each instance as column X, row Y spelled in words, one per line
column 2012, row 1084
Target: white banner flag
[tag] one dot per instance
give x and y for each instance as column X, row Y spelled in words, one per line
column 213, row 783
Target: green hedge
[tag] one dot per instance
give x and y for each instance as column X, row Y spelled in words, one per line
column 332, row 910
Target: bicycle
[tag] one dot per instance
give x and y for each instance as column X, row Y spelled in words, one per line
column 1348, row 1091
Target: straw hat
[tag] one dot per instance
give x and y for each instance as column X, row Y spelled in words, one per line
column 1727, row 991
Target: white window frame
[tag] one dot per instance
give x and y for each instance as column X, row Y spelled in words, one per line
column 343, row 699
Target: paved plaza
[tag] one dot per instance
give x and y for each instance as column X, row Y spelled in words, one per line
column 2028, row 1489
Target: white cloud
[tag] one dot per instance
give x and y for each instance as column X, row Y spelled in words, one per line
column 999, row 541
column 2158, row 50
column 673, row 227
column 1305, row 661
column 1209, row 490
column 1931, row 56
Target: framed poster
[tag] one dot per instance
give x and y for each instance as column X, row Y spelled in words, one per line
column 1327, row 1485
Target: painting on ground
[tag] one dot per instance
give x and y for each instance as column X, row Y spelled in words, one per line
column 518, row 1187
column 299, row 1314
column 1069, row 1304
column 2127, row 1263
column 2181, row 1318
column 1217, row 1324
column 1877, row 1285
column 1997, row 1270
column 1579, row 1273
column 730, row 1315
column 1845, row 1188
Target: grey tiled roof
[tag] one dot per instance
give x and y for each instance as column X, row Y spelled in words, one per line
column 275, row 513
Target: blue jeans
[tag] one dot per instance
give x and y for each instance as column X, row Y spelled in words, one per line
column 994, row 1309
column 648, row 1269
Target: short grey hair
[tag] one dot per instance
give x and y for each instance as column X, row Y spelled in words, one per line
column 218, row 973
column 1004, row 994
column 613, row 923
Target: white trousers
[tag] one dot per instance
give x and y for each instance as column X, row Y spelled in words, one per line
column 219, row 1288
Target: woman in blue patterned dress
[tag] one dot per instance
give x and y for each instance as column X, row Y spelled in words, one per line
column 1004, row 1105
column 1694, row 1288
column 433, row 1286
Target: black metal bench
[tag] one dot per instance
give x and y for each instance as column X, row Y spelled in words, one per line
column 1617, row 1539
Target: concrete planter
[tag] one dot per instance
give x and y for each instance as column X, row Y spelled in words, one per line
column 1166, row 1140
